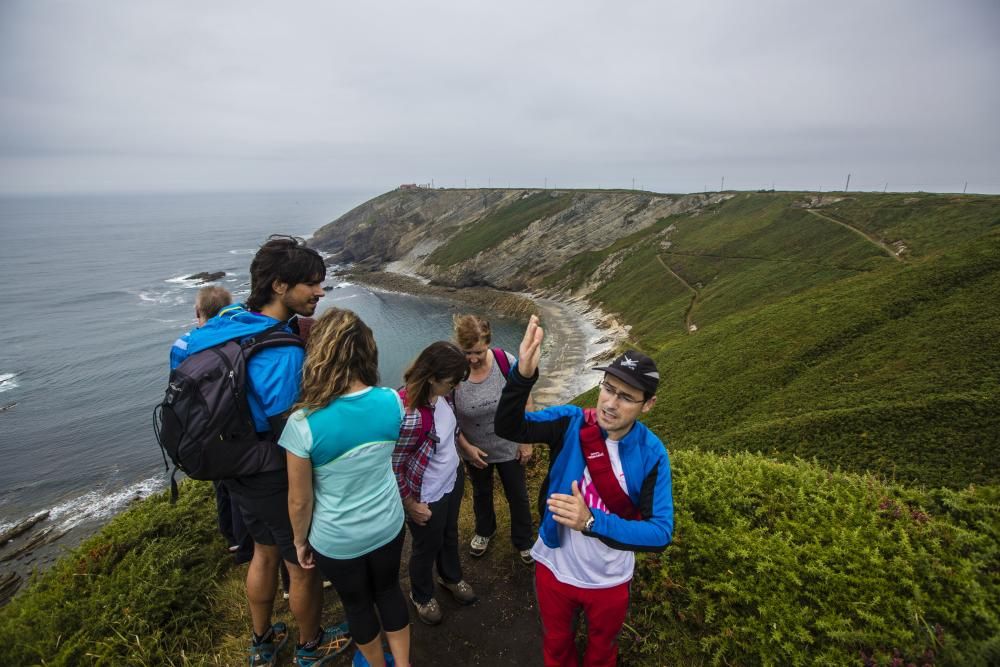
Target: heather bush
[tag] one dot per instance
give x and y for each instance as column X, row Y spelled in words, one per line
column 792, row 564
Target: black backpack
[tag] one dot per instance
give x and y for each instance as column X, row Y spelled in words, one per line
column 204, row 423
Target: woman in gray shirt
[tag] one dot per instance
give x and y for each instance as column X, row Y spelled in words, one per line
column 475, row 406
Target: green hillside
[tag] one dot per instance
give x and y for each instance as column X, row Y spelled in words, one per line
column 814, row 341
column 850, row 343
column 483, row 234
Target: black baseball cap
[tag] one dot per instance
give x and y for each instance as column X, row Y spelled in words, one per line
column 636, row 369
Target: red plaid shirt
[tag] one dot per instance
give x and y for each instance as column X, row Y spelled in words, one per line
column 411, row 456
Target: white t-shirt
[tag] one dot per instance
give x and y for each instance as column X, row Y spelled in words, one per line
column 442, row 468
column 582, row 561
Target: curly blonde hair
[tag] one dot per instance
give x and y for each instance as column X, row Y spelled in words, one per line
column 341, row 349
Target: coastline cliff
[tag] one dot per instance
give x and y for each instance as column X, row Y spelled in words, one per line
column 510, row 239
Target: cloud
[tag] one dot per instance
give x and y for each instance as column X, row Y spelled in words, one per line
column 107, row 95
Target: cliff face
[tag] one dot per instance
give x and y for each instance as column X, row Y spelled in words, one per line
column 492, row 237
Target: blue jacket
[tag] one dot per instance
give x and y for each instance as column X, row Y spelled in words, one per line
column 644, row 462
column 274, row 374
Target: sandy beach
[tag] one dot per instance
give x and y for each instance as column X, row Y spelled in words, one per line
column 578, row 336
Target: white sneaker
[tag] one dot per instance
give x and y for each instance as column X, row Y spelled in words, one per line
column 526, row 557
column 478, row 545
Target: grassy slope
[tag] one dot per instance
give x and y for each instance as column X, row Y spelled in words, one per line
column 790, row 564
column 813, row 342
column 137, row 593
column 844, row 355
column 483, row 234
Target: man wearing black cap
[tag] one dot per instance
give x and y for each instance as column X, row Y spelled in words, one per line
column 606, row 496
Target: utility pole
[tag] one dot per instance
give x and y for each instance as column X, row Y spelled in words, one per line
column 432, row 183
column 847, row 185
column 633, row 182
column 886, row 187
column 722, row 186
column 964, row 187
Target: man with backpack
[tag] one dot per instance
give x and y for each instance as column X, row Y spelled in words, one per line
column 285, row 278
column 607, row 495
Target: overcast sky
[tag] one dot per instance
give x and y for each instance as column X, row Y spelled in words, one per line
column 174, row 95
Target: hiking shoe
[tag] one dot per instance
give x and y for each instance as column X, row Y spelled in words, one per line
column 462, row 591
column 266, row 652
column 526, row 556
column 479, row 545
column 361, row 661
column 335, row 641
column 429, row 613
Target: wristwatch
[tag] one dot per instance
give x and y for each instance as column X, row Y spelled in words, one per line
column 590, row 524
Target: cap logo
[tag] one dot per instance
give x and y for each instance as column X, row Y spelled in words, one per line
column 629, row 363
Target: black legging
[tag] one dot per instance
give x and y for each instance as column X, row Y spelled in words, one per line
column 367, row 582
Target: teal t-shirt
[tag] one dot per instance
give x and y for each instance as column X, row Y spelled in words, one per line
column 356, row 504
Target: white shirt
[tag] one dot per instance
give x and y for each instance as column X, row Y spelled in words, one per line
column 582, row 561
column 442, row 468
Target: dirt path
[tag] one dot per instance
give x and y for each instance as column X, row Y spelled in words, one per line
column 868, row 237
column 501, row 629
column 689, row 325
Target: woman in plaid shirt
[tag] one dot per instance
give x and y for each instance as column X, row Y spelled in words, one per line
column 430, row 478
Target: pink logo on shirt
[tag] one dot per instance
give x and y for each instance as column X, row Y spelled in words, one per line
column 590, row 495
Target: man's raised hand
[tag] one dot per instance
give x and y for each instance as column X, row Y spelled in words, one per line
column 531, row 348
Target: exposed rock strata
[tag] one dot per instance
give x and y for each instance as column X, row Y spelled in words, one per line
column 405, row 226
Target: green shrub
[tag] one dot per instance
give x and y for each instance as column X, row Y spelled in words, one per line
column 137, row 593
column 791, row 564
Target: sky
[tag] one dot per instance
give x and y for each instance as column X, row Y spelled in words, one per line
column 177, row 95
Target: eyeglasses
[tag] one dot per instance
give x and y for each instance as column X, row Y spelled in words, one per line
column 621, row 396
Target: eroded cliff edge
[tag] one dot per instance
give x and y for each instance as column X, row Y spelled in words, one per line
column 509, row 239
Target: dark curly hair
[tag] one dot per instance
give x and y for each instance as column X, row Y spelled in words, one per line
column 284, row 258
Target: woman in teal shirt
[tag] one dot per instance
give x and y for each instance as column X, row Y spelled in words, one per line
column 343, row 501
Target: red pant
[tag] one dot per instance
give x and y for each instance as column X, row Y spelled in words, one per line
column 558, row 604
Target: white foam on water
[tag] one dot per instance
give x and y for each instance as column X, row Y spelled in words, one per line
column 101, row 503
column 343, row 298
column 344, row 284
column 8, row 381
column 242, row 251
column 183, row 280
column 168, row 298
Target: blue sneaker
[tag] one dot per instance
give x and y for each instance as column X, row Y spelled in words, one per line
column 360, row 661
column 335, row 641
column 266, row 653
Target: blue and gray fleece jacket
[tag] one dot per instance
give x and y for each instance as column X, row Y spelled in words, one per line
column 644, row 462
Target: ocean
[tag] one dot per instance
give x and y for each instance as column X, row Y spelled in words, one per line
column 96, row 292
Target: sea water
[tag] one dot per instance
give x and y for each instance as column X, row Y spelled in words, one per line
column 95, row 290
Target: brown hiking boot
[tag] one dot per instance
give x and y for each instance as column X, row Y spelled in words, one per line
column 462, row 591
column 429, row 613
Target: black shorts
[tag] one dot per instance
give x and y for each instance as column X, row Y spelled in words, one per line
column 266, row 519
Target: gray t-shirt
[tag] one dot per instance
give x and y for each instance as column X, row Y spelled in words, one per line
column 476, row 407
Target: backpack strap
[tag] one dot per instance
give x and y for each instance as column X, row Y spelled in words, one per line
column 426, row 417
column 274, row 336
column 502, row 361
column 598, row 462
